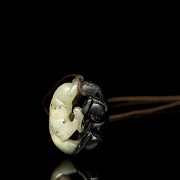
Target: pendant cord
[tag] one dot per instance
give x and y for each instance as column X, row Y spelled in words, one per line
column 172, row 101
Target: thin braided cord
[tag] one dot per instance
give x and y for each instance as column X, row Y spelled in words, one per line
column 122, row 116
column 143, row 98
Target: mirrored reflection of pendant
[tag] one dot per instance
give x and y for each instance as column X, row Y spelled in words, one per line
column 77, row 116
column 69, row 170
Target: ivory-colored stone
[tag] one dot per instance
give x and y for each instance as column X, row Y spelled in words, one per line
column 61, row 127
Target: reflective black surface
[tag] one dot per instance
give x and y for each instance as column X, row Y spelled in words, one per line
column 146, row 146
column 137, row 58
column 143, row 147
column 132, row 149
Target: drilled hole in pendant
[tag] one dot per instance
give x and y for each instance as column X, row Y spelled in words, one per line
column 71, row 116
column 75, row 135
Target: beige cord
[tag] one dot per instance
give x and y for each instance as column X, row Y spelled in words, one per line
column 144, row 98
column 138, row 113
